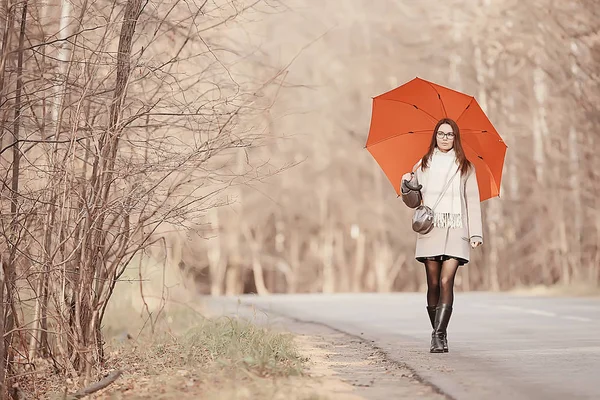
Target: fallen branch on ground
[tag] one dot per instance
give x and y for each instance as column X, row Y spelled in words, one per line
column 97, row 386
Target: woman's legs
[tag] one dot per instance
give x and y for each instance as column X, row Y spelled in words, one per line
column 448, row 273
column 439, row 341
column 433, row 270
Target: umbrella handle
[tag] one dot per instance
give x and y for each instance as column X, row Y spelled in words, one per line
column 412, row 185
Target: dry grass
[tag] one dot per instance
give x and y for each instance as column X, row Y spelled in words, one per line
column 179, row 353
column 217, row 358
column 223, row 344
column 240, row 345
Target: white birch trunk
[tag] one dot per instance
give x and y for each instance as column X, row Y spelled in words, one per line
column 233, row 274
column 255, row 243
column 327, row 255
column 341, row 261
column 455, row 57
column 36, row 335
column 359, row 263
column 512, row 183
column 216, row 263
column 63, row 57
column 575, row 171
column 294, row 261
column 540, row 125
column 493, row 210
column 456, row 83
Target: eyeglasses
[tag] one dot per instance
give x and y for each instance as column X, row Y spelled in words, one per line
column 449, row 135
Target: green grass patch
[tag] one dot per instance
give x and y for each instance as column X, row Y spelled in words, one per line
column 234, row 343
column 217, row 358
column 221, row 344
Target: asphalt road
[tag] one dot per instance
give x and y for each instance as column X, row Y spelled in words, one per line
column 501, row 346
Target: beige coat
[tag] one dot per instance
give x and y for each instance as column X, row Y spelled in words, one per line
column 455, row 242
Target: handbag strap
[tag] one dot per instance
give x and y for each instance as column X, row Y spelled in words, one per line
column 417, row 165
column 444, row 190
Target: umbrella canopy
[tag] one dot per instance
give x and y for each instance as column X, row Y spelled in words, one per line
column 402, row 123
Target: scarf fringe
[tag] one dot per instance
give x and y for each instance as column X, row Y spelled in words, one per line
column 447, row 220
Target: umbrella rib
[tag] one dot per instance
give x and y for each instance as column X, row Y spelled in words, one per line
column 434, row 119
column 396, row 135
column 465, row 110
column 440, row 98
column 485, row 163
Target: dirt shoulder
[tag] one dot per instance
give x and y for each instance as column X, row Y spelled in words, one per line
column 339, row 365
column 250, row 355
column 344, row 367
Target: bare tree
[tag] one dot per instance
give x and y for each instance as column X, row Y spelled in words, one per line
column 134, row 146
column 136, row 131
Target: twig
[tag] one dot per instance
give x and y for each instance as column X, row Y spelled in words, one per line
column 97, row 386
column 37, row 141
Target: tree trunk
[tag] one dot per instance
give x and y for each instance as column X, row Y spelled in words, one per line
column 87, row 310
column 14, row 208
column 493, row 211
column 294, row 260
column 216, row 264
column 63, row 57
column 6, row 47
column 3, row 348
column 359, row 263
column 326, row 245
column 329, row 285
column 341, row 262
column 455, row 79
column 39, row 325
column 577, row 214
column 10, row 321
column 255, row 244
column 540, row 124
column 233, row 283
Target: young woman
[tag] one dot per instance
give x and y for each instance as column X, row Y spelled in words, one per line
column 457, row 222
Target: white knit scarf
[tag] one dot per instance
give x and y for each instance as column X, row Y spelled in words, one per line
column 441, row 168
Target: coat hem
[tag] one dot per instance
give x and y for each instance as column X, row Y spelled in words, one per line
column 442, row 257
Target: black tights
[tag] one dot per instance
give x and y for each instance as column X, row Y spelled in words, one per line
column 440, row 281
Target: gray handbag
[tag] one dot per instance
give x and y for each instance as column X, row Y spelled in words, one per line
column 422, row 221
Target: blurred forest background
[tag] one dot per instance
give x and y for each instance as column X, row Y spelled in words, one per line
column 219, row 145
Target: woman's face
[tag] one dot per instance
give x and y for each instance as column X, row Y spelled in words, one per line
column 445, row 137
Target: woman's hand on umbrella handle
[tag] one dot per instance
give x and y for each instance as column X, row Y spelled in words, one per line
column 406, row 177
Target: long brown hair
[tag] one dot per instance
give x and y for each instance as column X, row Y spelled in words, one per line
column 464, row 164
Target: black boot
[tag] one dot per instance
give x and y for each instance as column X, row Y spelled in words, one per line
column 438, row 337
column 431, row 312
column 445, row 342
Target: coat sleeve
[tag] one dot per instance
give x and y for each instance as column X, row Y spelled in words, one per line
column 418, row 172
column 474, row 207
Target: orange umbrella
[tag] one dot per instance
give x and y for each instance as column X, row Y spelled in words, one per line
column 402, row 123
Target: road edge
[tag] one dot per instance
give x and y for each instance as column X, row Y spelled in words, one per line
column 252, row 315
